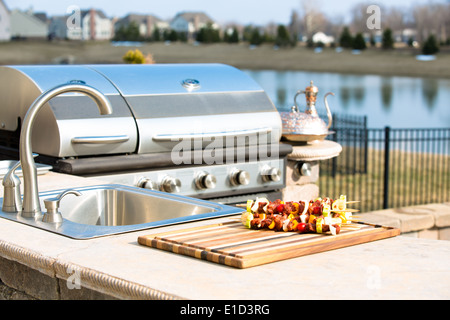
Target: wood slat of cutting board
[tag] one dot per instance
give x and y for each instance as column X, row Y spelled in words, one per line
column 230, row 243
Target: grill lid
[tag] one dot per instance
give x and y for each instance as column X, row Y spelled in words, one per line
column 70, row 124
column 154, row 108
column 207, row 102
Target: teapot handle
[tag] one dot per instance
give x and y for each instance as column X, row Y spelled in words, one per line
column 330, row 117
column 295, row 107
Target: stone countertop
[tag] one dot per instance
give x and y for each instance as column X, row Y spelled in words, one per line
column 414, row 218
column 394, row 268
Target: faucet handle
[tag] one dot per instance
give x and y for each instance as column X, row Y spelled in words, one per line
column 52, row 205
column 12, row 200
column 10, row 178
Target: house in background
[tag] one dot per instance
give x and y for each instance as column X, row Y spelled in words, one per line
column 5, row 22
column 25, row 24
column 91, row 25
column 95, row 25
column 146, row 23
column 191, row 22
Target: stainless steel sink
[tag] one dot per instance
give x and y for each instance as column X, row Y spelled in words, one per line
column 112, row 209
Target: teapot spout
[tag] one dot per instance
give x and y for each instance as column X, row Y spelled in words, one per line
column 330, row 117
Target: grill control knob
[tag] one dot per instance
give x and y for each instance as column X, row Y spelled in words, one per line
column 271, row 174
column 205, row 180
column 239, row 177
column 146, row 183
column 169, row 184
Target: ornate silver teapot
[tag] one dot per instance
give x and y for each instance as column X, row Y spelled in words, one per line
column 306, row 126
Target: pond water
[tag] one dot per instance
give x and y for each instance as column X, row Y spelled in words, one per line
column 398, row 102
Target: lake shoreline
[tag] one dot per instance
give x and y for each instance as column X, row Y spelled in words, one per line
column 398, row 62
column 398, row 102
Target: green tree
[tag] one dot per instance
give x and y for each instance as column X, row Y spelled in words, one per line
column 182, row 36
column 156, row 34
column 410, row 42
column 372, row 40
column 359, row 43
column 128, row 33
column 346, row 39
column 294, row 39
column 430, row 46
column 255, row 37
column 234, row 37
column 208, row 34
column 282, row 39
column 170, row 35
column 388, row 40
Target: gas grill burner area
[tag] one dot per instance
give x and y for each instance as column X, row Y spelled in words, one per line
column 201, row 130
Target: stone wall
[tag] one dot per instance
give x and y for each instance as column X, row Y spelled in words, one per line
column 20, row 282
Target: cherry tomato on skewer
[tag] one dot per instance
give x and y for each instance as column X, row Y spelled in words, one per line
column 301, row 227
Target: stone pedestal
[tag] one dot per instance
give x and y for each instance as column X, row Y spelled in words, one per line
column 302, row 170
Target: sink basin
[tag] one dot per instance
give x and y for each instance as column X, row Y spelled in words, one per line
column 113, row 209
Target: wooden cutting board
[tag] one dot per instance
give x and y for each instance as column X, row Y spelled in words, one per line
column 231, row 244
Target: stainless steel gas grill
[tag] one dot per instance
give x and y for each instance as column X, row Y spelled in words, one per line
column 201, row 130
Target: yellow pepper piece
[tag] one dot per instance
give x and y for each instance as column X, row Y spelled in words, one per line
column 319, row 222
column 249, row 205
column 311, row 218
column 291, row 216
column 272, row 225
column 294, row 224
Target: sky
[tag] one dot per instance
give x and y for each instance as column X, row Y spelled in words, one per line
column 257, row 12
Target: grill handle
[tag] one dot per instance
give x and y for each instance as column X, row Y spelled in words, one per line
column 208, row 135
column 100, row 139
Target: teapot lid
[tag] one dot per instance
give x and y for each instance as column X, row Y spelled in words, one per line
column 311, row 97
column 312, row 88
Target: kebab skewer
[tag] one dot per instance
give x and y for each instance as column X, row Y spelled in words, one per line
column 303, row 216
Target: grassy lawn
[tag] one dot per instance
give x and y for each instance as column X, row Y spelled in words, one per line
column 414, row 178
column 399, row 62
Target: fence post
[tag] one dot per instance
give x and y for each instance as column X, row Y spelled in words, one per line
column 335, row 139
column 387, row 131
column 366, row 145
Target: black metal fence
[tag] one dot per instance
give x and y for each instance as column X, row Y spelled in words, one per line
column 388, row 168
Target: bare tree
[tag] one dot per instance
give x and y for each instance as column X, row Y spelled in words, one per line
column 391, row 17
column 313, row 20
column 432, row 19
column 394, row 18
column 359, row 17
column 295, row 23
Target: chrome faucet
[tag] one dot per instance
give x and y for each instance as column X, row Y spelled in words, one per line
column 30, row 205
